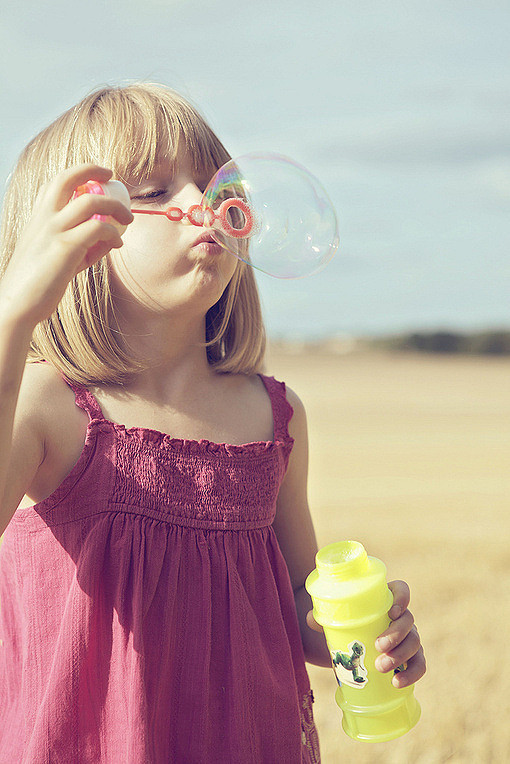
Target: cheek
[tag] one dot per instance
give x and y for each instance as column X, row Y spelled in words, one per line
column 231, row 264
column 150, row 250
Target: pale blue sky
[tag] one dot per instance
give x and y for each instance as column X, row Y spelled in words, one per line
column 400, row 108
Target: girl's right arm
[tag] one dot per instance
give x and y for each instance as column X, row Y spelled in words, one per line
column 28, row 455
column 59, row 241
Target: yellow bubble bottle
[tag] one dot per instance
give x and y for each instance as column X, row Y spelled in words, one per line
column 351, row 601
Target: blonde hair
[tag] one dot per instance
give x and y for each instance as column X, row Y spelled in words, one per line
column 127, row 129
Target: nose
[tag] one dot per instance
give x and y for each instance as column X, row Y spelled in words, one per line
column 190, row 195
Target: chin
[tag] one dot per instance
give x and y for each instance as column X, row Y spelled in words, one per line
column 199, row 290
column 214, row 277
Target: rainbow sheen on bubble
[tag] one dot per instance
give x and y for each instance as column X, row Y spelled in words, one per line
column 294, row 228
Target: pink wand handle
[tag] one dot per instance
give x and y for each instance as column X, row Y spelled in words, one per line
column 200, row 217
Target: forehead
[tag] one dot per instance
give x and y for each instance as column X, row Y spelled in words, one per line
column 167, row 163
column 141, row 137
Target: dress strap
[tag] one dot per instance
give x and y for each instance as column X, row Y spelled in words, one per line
column 282, row 410
column 83, row 398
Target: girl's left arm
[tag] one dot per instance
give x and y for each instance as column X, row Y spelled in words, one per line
column 295, row 532
column 400, row 643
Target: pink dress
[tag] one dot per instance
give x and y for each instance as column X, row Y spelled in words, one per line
column 146, row 610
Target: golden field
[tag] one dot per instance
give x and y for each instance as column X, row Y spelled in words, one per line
column 410, row 454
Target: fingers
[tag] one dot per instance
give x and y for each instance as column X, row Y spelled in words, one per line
column 88, row 243
column 415, row 669
column 400, row 645
column 396, row 632
column 401, row 598
column 60, row 189
column 100, row 238
column 92, row 231
column 403, row 653
column 84, row 207
column 96, row 252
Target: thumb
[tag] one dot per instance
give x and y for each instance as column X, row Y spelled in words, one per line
column 312, row 623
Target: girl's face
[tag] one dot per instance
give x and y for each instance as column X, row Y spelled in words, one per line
column 160, row 264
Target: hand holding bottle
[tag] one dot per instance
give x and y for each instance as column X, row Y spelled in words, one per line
column 399, row 643
column 352, row 602
column 60, row 240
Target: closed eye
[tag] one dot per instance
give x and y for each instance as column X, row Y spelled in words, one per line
column 159, row 194
column 151, row 195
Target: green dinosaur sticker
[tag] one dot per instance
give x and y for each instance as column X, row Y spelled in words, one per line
column 349, row 667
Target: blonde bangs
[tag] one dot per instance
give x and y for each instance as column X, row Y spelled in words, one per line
column 130, row 129
column 133, row 129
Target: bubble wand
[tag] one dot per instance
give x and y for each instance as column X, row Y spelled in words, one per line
column 277, row 217
column 205, row 216
column 197, row 214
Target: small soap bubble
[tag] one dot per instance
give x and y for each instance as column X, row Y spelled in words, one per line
column 273, row 214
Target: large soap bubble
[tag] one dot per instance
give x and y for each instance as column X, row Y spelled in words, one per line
column 273, row 214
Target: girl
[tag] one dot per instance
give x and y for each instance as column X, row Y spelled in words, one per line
column 153, row 480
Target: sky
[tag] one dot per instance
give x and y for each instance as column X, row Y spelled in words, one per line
column 401, row 109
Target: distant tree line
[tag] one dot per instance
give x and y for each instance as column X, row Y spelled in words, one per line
column 481, row 343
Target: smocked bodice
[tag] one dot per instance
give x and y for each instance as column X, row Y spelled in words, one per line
column 188, row 482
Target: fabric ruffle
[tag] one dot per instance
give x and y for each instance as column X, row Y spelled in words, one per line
column 198, row 447
column 309, row 735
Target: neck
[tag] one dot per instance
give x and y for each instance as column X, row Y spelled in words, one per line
column 173, row 345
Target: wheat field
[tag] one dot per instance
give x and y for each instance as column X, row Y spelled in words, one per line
column 410, row 454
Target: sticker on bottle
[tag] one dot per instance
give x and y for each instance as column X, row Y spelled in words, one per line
column 349, row 667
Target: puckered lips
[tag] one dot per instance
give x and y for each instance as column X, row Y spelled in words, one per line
column 207, row 244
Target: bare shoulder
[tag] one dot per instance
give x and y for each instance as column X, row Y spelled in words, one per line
column 295, row 401
column 34, row 394
column 297, row 424
column 247, row 408
column 46, row 409
column 38, row 377
column 42, row 394
column 257, row 394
